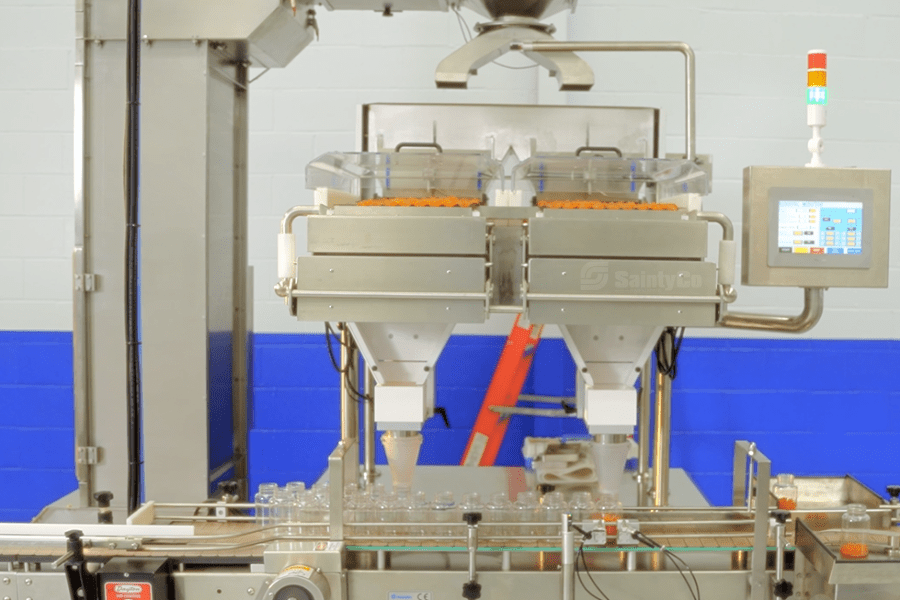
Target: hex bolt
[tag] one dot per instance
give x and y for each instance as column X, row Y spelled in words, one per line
column 250, row 591
column 28, row 582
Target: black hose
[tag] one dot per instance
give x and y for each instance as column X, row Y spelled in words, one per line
column 132, row 236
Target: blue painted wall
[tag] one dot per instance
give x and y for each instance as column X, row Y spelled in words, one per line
column 825, row 407
column 814, row 406
column 36, row 422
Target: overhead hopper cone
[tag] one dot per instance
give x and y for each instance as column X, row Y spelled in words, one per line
column 610, row 455
column 402, row 451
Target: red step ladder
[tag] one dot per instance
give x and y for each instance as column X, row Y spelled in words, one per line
column 504, row 390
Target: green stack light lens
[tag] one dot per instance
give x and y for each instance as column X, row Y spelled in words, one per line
column 817, row 95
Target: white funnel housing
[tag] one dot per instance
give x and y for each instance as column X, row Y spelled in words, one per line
column 610, row 457
column 402, row 450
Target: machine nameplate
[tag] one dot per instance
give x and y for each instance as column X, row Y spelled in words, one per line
column 410, row 596
column 128, row 590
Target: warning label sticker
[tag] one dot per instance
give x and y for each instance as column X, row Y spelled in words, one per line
column 128, row 591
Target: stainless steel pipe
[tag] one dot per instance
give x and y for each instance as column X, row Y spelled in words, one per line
column 567, row 562
column 349, row 414
column 644, row 408
column 661, row 439
column 813, row 306
column 690, row 72
column 369, row 442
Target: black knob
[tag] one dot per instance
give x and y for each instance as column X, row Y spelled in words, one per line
column 103, row 499
column 74, row 545
column 894, row 491
column 471, row 590
column 784, row 589
column 228, row 488
column 472, row 518
column 781, row 516
column 546, row 488
column 74, row 535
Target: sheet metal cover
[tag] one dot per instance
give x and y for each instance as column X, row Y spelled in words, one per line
column 616, row 235
column 370, row 234
column 390, row 274
column 621, row 277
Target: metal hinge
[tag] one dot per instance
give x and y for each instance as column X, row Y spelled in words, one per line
column 87, row 455
column 85, row 283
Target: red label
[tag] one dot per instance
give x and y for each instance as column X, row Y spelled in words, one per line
column 128, row 590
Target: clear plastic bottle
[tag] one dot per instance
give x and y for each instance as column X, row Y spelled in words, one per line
column 388, row 517
column 609, row 512
column 471, row 502
column 307, row 513
column 854, row 539
column 321, row 512
column 350, row 513
column 552, row 506
column 444, row 514
column 264, row 500
column 364, row 512
column 786, row 492
column 525, row 508
column 497, row 512
column 416, row 515
column 581, row 507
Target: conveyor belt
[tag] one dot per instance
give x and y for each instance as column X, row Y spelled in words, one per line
column 603, row 205
column 443, row 202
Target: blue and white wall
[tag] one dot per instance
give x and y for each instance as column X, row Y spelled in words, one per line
column 825, row 402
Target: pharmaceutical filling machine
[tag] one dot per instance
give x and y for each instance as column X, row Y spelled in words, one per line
column 447, row 214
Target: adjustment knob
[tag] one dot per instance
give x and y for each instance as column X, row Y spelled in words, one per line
column 781, row 516
column 471, row 590
column 784, row 589
column 894, row 492
column 472, row 518
column 103, row 499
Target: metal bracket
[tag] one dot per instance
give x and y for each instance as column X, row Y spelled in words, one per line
column 85, row 283
column 87, row 455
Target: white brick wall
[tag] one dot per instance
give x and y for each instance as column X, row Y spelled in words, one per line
column 751, row 80
column 36, row 117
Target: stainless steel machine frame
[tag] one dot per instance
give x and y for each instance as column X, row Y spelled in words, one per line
column 195, row 77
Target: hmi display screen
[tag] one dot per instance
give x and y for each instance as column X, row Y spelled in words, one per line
column 820, row 227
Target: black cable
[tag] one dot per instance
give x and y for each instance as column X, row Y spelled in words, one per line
column 587, row 571
column 676, row 559
column 667, row 349
column 329, row 332
column 132, row 274
column 345, row 372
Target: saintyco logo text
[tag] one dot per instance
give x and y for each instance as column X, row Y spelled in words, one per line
column 595, row 276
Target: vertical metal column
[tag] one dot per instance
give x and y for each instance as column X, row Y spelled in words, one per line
column 193, row 93
column 644, row 408
column 243, row 344
column 369, row 441
column 80, row 295
column 661, row 439
column 349, row 408
column 567, row 562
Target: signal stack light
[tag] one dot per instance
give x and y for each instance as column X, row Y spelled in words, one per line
column 816, row 100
